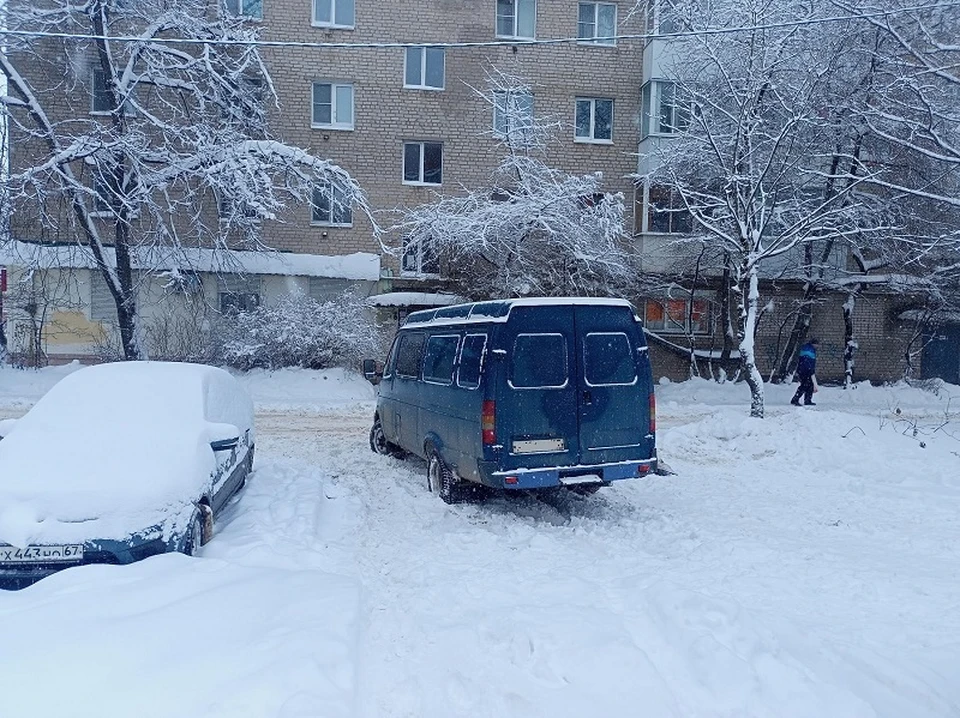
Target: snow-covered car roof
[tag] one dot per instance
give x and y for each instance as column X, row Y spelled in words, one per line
column 115, row 448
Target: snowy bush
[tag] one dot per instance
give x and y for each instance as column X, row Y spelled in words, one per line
column 298, row 331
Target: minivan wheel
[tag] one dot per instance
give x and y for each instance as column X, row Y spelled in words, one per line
column 379, row 443
column 442, row 481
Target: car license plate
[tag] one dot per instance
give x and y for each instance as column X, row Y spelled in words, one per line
column 41, row 554
column 538, row 446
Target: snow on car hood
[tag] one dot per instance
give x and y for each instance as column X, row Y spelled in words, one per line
column 110, row 450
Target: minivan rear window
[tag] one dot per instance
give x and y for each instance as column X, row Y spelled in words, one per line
column 471, row 360
column 408, row 357
column 607, row 359
column 440, row 357
column 538, row 361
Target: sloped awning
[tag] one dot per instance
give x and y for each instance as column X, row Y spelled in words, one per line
column 414, row 299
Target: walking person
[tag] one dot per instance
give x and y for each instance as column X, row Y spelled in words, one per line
column 806, row 368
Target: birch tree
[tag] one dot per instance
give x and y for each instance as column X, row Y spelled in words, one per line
column 759, row 158
column 534, row 230
column 139, row 128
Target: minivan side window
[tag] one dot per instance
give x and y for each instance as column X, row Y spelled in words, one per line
column 409, row 355
column 391, row 359
column 608, row 360
column 538, row 361
column 471, row 360
column 439, row 358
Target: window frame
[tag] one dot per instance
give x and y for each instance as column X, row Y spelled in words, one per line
column 453, row 366
column 424, row 54
column 423, row 343
column 592, row 139
column 591, row 39
column 676, row 213
column 332, row 187
column 501, row 110
column 566, row 362
column 670, row 326
column 421, row 252
column 515, row 21
column 333, row 124
column 403, row 160
column 240, row 9
column 651, row 109
column 630, row 350
column 483, row 356
column 331, row 24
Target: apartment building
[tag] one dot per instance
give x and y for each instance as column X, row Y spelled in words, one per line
column 397, row 94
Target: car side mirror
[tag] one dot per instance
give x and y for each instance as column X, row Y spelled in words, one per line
column 372, row 371
column 223, row 437
column 6, row 426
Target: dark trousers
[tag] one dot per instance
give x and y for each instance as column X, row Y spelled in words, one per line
column 805, row 390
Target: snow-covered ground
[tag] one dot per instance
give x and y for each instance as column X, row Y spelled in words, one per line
column 804, row 565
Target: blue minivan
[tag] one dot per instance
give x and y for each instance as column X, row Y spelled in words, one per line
column 519, row 394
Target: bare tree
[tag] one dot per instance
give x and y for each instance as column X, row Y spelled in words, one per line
column 534, row 230
column 760, row 158
column 176, row 152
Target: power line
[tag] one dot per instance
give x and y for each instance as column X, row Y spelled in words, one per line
column 516, row 42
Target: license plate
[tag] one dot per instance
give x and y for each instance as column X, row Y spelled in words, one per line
column 41, row 554
column 538, row 446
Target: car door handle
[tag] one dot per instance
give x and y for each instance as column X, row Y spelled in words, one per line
column 587, row 397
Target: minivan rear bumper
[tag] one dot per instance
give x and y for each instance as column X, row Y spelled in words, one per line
column 546, row 477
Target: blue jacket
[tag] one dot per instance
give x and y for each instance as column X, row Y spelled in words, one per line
column 808, row 360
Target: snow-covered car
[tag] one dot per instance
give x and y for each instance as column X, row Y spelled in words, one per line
column 118, row 462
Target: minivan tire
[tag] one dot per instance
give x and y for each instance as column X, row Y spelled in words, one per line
column 442, row 481
column 379, row 443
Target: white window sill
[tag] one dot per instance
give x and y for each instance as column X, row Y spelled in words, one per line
column 423, row 87
column 407, row 274
column 588, row 141
column 409, row 183
column 327, row 225
column 514, row 37
column 332, row 26
column 339, row 128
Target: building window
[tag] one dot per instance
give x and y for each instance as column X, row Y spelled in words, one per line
column 334, row 13
column 238, row 293
column 677, row 316
column 245, row 8
column 594, row 120
column 597, row 23
column 667, row 213
column 422, row 163
column 332, row 106
column 513, row 117
column 661, row 113
column 100, row 95
column 516, row 18
column 424, row 68
column 331, row 206
column 103, row 307
column 420, row 258
column 101, row 197
column 660, row 20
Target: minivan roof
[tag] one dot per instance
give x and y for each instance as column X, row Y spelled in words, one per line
column 498, row 310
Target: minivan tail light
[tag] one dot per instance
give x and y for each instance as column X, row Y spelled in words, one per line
column 653, row 413
column 488, row 423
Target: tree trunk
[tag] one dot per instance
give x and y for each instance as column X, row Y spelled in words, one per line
column 726, row 319
column 748, row 300
column 849, row 343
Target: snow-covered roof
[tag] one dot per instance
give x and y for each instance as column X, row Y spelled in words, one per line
column 360, row 265
column 414, row 299
column 498, row 310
